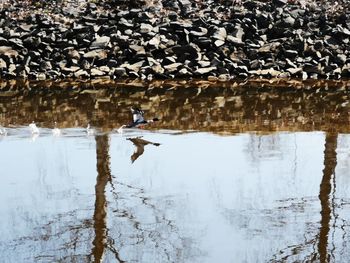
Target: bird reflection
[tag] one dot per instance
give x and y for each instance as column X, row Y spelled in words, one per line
column 140, row 147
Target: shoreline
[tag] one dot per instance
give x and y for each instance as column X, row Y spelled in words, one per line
column 184, row 40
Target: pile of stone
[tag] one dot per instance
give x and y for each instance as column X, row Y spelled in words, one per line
column 217, row 40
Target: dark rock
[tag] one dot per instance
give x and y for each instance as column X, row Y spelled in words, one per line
column 120, row 72
column 85, row 64
column 45, row 65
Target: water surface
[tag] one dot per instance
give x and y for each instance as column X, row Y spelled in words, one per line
column 232, row 175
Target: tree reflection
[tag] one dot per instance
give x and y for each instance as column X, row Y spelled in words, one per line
column 100, row 213
column 330, row 162
column 318, row 244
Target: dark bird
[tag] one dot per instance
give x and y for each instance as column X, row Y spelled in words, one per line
column 138, row 120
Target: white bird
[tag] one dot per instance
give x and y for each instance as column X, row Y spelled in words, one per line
column 33, row 128
column 56, row 131
column 89, row 130
column 3, row 131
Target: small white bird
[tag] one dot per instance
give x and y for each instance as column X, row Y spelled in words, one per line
column 56, row 131
column 33, row 128
column 89, row 130
column 3, row 131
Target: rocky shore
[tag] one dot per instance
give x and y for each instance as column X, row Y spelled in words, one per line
column 215, row 40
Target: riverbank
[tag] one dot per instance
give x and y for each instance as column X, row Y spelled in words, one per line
column 214, row 40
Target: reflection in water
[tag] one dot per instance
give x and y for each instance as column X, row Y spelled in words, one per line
column 226, row 108
column 330, row 162
column 140, row 147
column 177, row 209
column 100, row 213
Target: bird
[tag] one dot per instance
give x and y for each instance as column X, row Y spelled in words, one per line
column 140, row 147
column 3, row 131
column 56, row 131
column 89, row 130
column 138, row 120
column 33, row 128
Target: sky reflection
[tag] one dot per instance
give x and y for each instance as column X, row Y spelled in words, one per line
column 198, row 197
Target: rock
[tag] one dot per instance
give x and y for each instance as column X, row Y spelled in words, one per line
column 294, row 71
column 96, row 72
column 84, row 64
column 288, row 21
column 133, row 67
column 172, row 67
column 341, row 58
column 155, row 41
column 220, row 34
column 98, row 53
column 32, row 42
column 200, row 31
column 157, row 68
column 138, row 49
column 45, row 65
column 100, row 42
column 2, row 64
column 204, row 64
column 238, row 32
column 146, row 28
column 291, row 53
column 16, row 42
column 73, row 54
column 8, row 52
column 41, row 76
column 81, row 74
column 270, row 47
column 304, row 76
column 70, row 69
column 235, row 40
column 219, row 43
column 120, row 72
column 202, row 71
column 279, row 2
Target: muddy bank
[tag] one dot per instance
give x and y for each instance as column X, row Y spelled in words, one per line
column 215, row 40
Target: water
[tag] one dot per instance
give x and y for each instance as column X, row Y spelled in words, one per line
column 234, row 175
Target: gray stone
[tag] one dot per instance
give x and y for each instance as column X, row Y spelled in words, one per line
column 73, row 54
column 294, row 71
column 155, row 41
column 146, row 28
column 220, row 34
column 200, row 31
column 138, row 49
column 204, row 70
column 81, row 74
column 100, row 42
column 96, row 72
column 219, row 43
column 172, row 67
column 98, row 53
column 8, row 52
column 2, row 64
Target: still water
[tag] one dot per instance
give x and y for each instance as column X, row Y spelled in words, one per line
column 236, row 174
